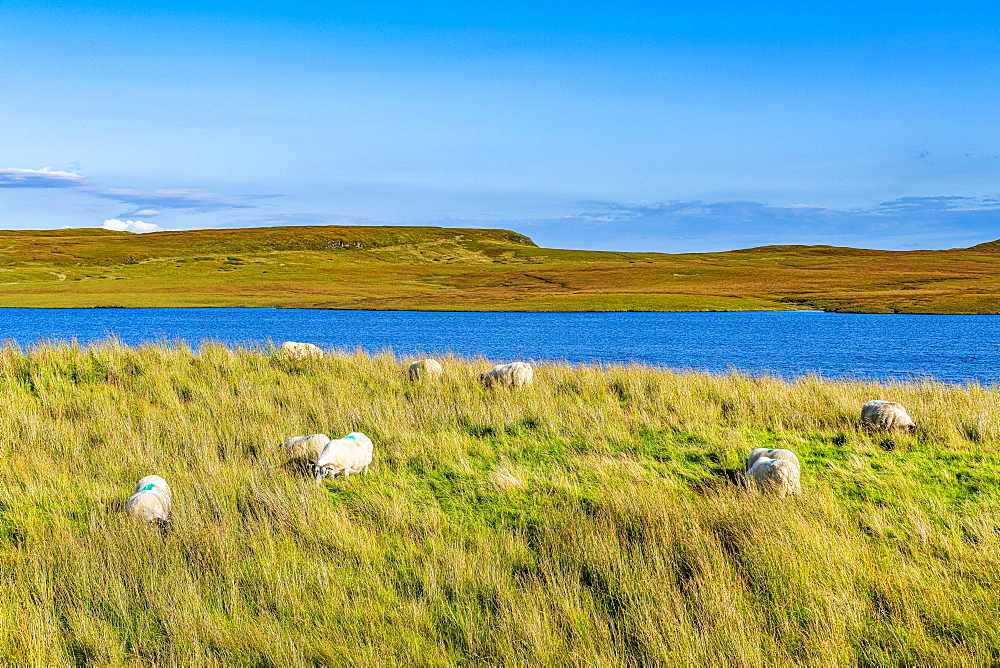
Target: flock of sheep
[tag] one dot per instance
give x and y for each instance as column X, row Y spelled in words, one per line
column 778, row 471
column 774, row 471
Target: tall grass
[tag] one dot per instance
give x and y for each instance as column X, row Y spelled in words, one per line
column 595, row 518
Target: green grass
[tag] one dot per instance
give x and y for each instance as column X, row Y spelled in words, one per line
column 430, row 268
column 592, row 519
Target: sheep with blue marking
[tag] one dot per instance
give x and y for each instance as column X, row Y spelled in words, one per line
column 347, row 455
column 771, row 453
column 151, row 501
column 779, row 477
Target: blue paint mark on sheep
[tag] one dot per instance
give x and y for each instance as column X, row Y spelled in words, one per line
column 148, row 487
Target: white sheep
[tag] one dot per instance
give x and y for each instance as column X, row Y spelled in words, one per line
column 886, row 415
column 347, row 455
column 300, row 351
column 771, row 453
column 157, row 482
column 425, row 369
column 515, row 374
column 776, row 476
column 151, row 501
column 306, row 447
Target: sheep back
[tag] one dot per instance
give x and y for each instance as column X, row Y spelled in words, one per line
column 300, row 351
column 425, row 369
column 347, row 455
column 771, row 453
column 515, row 374
column 886, row 415
column 306, row 447
column 154, row 482
column 776, row 476
column 149, row 504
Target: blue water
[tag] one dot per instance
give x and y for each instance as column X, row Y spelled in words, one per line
column 952, row 348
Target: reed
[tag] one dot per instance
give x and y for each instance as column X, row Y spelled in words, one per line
column 595, row 518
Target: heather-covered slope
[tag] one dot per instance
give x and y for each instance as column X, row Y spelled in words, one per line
column 428, row 268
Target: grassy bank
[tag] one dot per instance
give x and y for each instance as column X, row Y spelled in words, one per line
column 589, row 520
column 428, row 268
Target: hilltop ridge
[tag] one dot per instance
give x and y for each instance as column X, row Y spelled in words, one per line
column 99, row 244
column 437, row 268
column 987, row 246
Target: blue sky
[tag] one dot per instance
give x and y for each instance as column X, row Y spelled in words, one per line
column 622, row 126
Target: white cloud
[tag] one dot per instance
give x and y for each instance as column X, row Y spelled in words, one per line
column 145, row 202
column 46, row 177
column 136, row 226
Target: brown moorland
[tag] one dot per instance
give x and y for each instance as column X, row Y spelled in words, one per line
column 431, row 268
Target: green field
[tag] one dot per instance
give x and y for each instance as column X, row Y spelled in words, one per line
column 428, row 268
column 595, row 518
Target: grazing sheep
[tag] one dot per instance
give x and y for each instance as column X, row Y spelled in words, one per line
column 886, row 416
column 347, row 455
column 776, row 476
column 306, row 447
column 515, row 374
column 300, row 351
column 425, row 369
column 151, row 501
column 771, row 453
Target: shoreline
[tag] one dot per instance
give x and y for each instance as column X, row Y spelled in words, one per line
column 348, row 354
column 492, row 311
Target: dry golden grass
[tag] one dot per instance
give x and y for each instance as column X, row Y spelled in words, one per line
column 424, row 268
column 595, row 518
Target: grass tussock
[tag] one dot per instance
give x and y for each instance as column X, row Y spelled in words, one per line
column 595, row 518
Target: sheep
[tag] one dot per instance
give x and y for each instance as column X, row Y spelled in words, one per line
column 300, row 351
column 157, row 482
column 306, row 447
column 771, row 453
column 886, row 416
column 515, row 374
column 425, row 369
column 347, row 455
column 151, row 501
column 776, row 476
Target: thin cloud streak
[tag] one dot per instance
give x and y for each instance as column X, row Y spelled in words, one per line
column 40, row 178
column 305, row 219
column 679, row 226
column 908, row 223
column 194, row 199
column 191, row 199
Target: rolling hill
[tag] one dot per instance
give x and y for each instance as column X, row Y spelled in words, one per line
column 430, row 268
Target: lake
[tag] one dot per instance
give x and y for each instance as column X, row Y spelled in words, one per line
column 952, row 348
